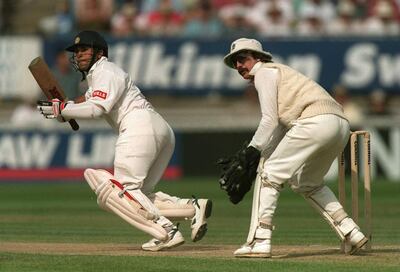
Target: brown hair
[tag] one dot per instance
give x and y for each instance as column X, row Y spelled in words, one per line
column 261, row 57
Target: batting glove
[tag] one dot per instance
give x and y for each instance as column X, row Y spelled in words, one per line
column 52, row 109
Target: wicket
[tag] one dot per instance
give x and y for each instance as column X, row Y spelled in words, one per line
column 354, row 159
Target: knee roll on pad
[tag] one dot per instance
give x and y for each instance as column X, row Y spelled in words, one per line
column 95, row 177
column 109, row 197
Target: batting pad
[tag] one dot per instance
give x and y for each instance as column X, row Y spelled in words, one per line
column 325, row 202
column 111, row 197
column 173, row 207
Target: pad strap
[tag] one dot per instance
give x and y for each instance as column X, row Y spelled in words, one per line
column 112, row 197
column 124, row 192
column 339, row 215
column 266, row 225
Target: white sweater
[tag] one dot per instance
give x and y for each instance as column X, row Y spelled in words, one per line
column 285, row 96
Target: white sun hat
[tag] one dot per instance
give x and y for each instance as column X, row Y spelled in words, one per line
column 244, row 44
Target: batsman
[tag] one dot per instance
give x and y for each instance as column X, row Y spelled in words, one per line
column 301, row 132
column 143, row 149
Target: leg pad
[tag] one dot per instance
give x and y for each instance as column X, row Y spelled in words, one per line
column 174, row 207
column 111, row 198
column 325, row 202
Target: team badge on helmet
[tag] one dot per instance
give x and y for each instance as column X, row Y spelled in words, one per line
column 89, row 38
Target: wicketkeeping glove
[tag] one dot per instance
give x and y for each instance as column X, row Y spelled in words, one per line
column 239, row 172
column 52, row 109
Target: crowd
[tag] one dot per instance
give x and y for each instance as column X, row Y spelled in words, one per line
column 213, row 18
column 377, row 104
column 222, row 18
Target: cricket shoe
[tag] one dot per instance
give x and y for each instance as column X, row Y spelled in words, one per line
column 175, row 238
column 354, row 241
column 203, row 209
column 257, row 249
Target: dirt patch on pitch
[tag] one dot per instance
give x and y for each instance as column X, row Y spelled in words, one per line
column 314, row 252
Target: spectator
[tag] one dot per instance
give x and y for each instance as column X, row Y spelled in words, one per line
column 69, row 79
column 138, row 4
column 261, row 8
column 274, row 23
column 311, row 23
column 352, row 110
column 345, row 21
column 218, row 4
column 62, row 22
column 361, row 8
column 394, row 5
column 93, row 14
column 325, row 9
column 164, row 21
column 7, row 10
column 123, row 23
column 235, row 17
column 203, row 22
column 378, row 103
column 177, row 5
column 25, row 114
column 382, row 20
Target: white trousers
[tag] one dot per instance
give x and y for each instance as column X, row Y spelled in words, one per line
column 304, row 155
column 143, row 150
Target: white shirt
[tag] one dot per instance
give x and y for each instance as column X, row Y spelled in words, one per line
column 266, row 84
column 111, row 94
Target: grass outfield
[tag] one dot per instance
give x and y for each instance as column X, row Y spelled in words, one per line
column 59, row 227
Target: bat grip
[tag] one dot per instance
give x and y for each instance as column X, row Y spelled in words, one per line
column 74, row 125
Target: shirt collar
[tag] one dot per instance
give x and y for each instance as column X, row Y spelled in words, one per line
column 97, row 63
column 255, row 68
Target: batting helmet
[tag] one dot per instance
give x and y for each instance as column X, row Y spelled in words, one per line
column 89, row 38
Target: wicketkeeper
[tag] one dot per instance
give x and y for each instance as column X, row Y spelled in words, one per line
column 301, row 132
column 143, row 149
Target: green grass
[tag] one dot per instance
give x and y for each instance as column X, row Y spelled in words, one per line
column 68, row 213
column 28, row 263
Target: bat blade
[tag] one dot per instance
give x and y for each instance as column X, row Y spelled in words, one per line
column 48, row 83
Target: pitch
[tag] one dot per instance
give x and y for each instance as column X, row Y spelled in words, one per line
column 58, row 227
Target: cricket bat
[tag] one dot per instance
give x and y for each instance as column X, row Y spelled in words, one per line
column 48, row 83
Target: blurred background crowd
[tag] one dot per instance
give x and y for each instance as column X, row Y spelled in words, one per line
column 204, row 18
column 208, row 19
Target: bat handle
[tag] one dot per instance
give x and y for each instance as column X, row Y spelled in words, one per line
column 74, row 124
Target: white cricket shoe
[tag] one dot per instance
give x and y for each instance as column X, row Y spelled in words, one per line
column 175, row 238
column 257, row 249
column 354, row 241
column 203, row 209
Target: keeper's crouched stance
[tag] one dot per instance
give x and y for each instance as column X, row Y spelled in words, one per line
column 301, row 132
column 143, row 149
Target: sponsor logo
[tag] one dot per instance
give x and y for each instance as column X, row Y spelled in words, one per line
column 28, row 155
column 190, row 67
column 101, row 94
